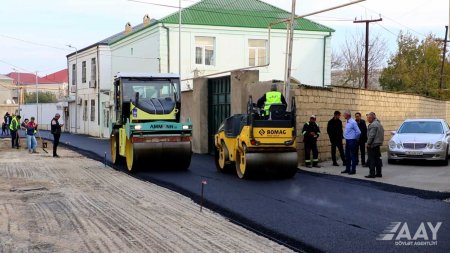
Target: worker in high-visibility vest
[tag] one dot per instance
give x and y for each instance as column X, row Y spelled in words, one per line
column 270, row 98
column 14, row 127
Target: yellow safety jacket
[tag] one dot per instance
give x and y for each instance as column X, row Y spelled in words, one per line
column 272, row 97
column 14, row 124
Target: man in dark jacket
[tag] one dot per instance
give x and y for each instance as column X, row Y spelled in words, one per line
column 56, row 131
column 310, row 133
column 362, row 140
column 335, row 133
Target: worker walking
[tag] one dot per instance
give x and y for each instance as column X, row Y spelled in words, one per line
column 311, row 132
column 270, row 98
column 56, row 131
column 14, row 129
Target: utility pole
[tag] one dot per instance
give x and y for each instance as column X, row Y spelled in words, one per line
column 287, row 87
column 179, row 40
column 444, row 51
column 37, row 97
column 366, row 60
column 19, row 89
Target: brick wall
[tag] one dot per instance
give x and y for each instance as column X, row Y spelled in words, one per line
column 391, row 109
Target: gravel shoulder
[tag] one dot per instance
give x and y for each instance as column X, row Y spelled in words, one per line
column 75, row 204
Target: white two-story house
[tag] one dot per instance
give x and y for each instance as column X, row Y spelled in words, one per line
column 216, row 36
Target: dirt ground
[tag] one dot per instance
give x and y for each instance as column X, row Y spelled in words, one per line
column 75, row 204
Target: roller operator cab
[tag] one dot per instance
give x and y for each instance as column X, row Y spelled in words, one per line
column 147, row 131
column 253, row 143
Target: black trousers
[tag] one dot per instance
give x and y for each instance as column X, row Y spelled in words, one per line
column 361, row 149
column 311, row 145
column 340, row 147
column 55, row 143
column 14, row 139
column 374, row 160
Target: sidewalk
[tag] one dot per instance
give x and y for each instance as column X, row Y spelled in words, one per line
column 77, row 205
column 420, row 175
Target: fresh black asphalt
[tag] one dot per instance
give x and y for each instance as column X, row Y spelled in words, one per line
column 311, row 212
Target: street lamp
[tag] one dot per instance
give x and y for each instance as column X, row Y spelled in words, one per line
column 76, row 86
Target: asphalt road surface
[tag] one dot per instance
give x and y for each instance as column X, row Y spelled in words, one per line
column 311, row 212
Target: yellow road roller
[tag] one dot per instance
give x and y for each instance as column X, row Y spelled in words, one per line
column 147, row 131
column 253, row 143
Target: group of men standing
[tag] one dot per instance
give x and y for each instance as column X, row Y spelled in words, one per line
column 358, row 137
column 30, row 127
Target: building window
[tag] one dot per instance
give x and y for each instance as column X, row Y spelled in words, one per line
column 257, row 52
column 92, row 109
column 85, row 111
column 205, row 51
column 93, row 69
column 74, row 74
column 83, row 72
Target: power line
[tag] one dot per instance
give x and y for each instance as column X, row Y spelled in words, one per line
column 389, row 31
column 393, row 20
column 31, row 42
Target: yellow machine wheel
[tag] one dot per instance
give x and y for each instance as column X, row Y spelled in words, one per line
column 116, row 158
column 129, row 156
column 222, row 159
column 243, row 169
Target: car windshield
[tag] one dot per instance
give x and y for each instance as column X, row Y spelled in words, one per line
column 421, row 127
column 149, row 89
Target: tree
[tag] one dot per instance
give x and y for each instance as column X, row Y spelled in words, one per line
column 44, row 97
column 350, row 61
column 415, row 67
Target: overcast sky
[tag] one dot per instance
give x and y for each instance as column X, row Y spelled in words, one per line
column 50, row 25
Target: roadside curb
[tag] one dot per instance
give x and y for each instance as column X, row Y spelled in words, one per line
column 424, row 194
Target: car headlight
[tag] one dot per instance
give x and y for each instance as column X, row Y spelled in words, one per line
column 137, row 127
column 399, row 146
column 438, row 145
column 392, row 144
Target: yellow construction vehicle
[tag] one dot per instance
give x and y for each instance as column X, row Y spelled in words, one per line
column 253, row 143
column 147, row 131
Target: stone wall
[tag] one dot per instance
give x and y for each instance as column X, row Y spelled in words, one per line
column 391, row 109
column 12, row 109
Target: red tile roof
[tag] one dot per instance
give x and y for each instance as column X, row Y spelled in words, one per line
column 58, row 77
column 61, row 76
column 23, row 78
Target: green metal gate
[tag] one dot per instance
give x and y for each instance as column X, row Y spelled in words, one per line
column 218, row 105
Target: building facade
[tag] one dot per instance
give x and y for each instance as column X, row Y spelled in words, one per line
column 216, row 36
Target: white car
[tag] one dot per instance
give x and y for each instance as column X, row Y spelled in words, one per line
column 425, row 139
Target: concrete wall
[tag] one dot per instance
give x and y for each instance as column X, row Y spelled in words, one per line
column 391, row 109
column 46, row 114
column 240, row 80
column 6, row 93
column 195, row 107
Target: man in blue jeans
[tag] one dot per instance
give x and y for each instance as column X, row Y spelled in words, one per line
column 351, row 135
